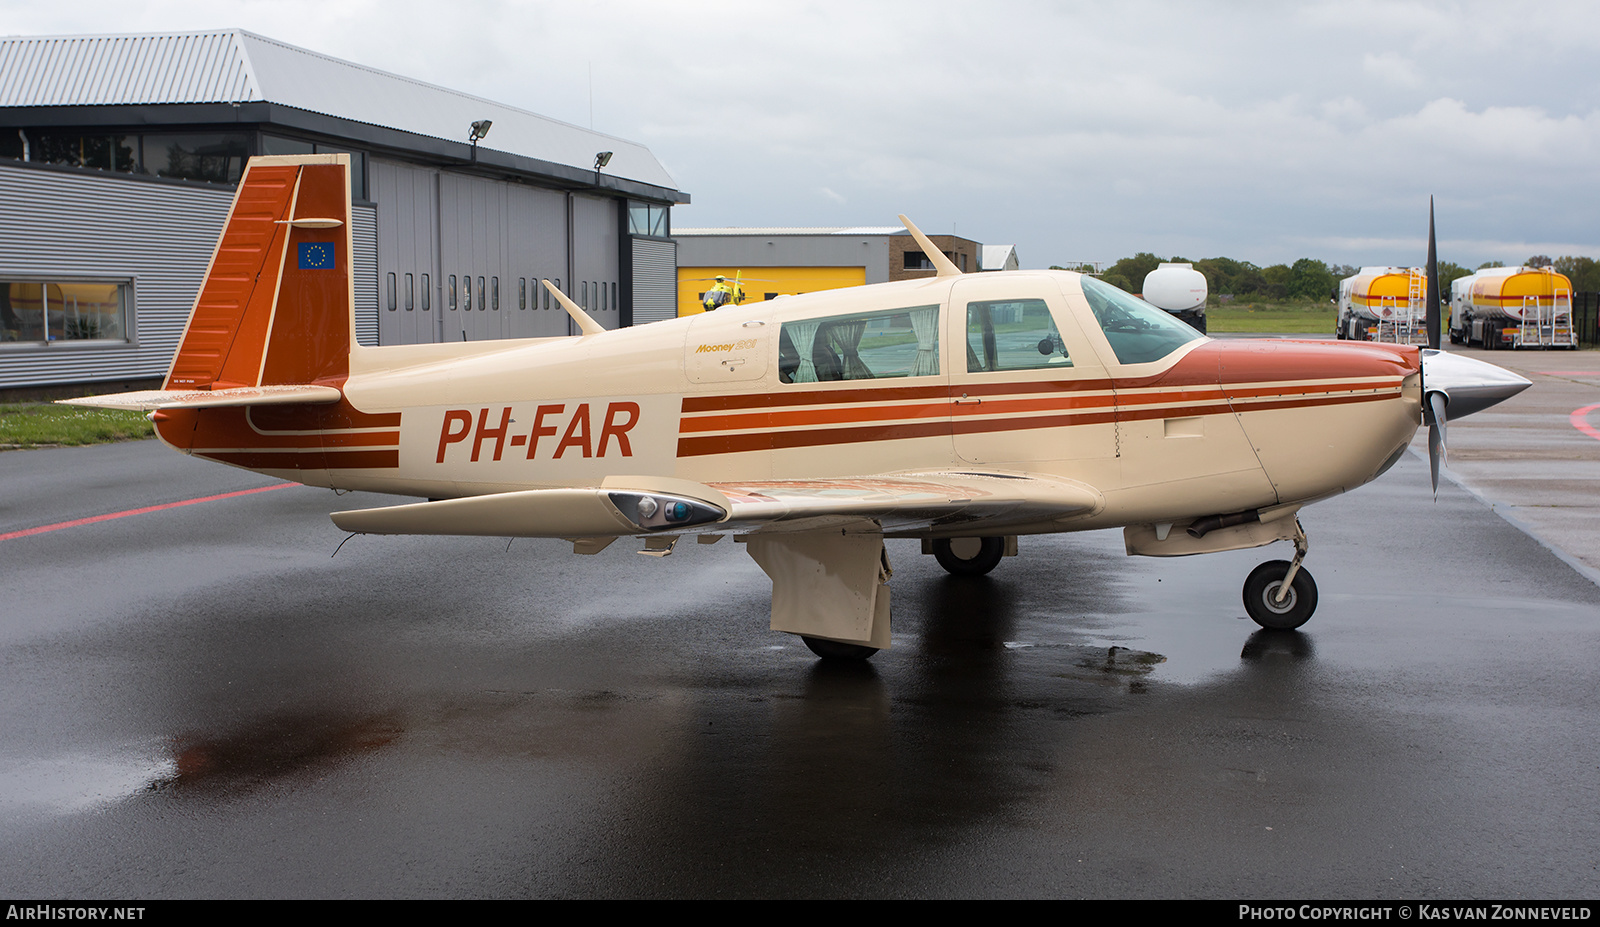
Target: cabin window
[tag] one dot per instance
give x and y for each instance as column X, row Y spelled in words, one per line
column 1013, row 334
column 863, row 346
column 64, row 310
column 1138, row 332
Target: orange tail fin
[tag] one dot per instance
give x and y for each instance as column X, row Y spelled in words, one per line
column 277, row 304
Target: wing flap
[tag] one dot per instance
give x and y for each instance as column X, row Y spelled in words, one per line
column 906, row 502
column 626, row 506
column 150, row 400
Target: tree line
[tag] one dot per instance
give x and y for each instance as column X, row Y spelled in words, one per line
column 1308, row 278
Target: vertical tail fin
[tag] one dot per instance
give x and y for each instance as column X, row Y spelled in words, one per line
column 277, row 304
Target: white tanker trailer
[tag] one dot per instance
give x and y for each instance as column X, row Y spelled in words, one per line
column 1386, row 304
column 1513, row 307
column 1180, row 290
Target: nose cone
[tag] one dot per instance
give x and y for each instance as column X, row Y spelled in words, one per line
column 1468, row 384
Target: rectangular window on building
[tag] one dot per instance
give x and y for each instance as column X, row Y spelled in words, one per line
column 466, row 292
column 482, row 302
column 215, row 157
column 494, row 292
column 393, row 301
column 411, row 294
column 583, row 290
column 62, row 310
column 522, row 293
column 453, row 292
column 613, row 295
column 427, row 293
column 118, row 153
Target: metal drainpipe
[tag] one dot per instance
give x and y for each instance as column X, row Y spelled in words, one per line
column 25, row 149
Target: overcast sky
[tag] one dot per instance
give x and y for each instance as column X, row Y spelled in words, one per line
column 1259, row 131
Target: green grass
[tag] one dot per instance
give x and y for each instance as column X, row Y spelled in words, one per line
column 1287, row 317
column 41, row 424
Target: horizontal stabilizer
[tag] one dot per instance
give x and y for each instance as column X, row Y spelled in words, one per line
column 151, row 399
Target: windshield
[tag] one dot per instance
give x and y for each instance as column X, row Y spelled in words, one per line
column 1139, row 332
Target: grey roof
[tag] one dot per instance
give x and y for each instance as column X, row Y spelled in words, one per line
column 781, row 230
column 235, row 66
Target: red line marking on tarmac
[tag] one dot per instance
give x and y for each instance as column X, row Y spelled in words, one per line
column 149, row 508
column 1578, row 421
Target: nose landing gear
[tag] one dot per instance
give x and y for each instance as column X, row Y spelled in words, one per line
column 1278, row 594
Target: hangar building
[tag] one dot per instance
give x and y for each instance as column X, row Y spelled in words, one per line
column 119, row 155
column 772, row 262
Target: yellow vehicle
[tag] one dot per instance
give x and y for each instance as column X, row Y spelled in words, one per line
column 1513, row 307
column 1386, row 304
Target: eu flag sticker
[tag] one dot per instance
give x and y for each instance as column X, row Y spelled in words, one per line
column 316, row 255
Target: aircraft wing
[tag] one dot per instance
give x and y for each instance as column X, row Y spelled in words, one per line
column 152, row 399
column 638, row 506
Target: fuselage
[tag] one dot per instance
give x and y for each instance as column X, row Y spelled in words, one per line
column 1021, row 372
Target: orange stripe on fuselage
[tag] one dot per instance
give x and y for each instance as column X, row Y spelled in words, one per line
column 1214, row 378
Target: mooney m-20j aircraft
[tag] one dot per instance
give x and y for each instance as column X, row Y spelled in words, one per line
column 964, row 410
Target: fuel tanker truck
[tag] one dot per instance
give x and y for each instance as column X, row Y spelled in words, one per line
column 1384, row 304
column 1512, row 307
column 1180, row 290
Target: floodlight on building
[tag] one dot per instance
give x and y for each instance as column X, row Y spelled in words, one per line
column 601, row 159
column 480, row 129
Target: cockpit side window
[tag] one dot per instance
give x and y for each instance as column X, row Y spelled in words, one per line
column 1013, row 334
column 1138, row 332
column 862, row 346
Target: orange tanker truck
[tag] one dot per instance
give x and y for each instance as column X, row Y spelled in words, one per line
column 1513, row 307
column 1384, row 304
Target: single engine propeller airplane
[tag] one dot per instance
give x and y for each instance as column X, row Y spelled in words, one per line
column 964, row 410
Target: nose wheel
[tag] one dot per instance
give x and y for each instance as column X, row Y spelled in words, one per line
column 1278, row 594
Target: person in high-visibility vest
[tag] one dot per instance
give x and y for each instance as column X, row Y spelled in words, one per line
column 720, row 294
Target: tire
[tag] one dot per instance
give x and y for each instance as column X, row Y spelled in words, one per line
column 1263, row 584
column 838, row 650
column 990, row 550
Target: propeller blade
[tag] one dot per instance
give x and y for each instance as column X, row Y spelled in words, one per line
column 1438, row 452
column 1433, row 289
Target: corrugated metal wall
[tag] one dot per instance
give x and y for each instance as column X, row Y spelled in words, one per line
column 70, row 225
column 655, row 280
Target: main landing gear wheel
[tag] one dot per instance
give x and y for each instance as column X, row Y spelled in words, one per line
column 1261, row 596
column 969, row 556
column 838, row 650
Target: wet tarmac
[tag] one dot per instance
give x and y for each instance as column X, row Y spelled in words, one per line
column 202, row 701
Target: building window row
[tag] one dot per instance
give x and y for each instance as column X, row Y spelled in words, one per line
column 212, row 157
column 64, row 310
